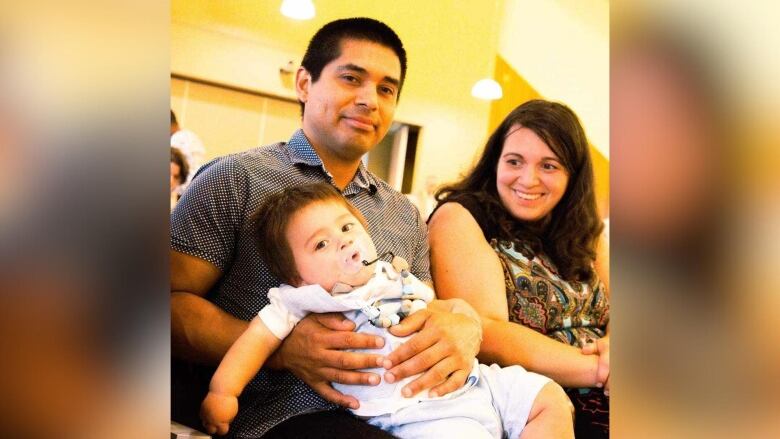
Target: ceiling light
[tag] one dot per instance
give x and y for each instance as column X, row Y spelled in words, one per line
column 487, row 89
column 298, row 9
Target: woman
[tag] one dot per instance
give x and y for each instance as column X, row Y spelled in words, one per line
column 520, row 239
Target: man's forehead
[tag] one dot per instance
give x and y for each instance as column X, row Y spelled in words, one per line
column 351, row 48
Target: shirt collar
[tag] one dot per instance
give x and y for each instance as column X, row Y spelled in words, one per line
column 301, row 151
column 364, row 179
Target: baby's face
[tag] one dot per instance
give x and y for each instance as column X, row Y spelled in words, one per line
column 329, row 244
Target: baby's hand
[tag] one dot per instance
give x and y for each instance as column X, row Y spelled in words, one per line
column 217, row 411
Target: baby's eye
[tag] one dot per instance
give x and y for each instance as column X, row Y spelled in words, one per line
column 321, row 245
column 347, row 227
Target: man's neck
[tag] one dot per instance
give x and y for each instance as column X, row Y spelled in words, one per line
column 342, row 170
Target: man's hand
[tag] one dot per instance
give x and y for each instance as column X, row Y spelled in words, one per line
column 217, row 411
column 444, row 349
column 601, row 348
column 314, row 353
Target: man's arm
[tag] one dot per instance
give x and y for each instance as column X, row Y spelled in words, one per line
column 200, row 330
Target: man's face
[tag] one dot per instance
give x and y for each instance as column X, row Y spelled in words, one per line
column 351, row 106
column 328, row 244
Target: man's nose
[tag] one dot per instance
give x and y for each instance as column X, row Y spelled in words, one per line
column 367, row 97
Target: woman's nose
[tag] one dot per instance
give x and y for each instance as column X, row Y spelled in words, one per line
column 528, row 176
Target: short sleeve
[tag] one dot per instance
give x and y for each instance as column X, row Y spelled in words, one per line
column 276, row 316
column 421, row 263
column 207, row 219
column 288, row 305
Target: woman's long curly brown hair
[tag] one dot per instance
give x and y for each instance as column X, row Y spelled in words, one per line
column 568, row 236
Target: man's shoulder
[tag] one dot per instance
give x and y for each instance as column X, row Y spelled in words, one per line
column 403, row 211
column 390, row 194
column 262, row 155
column 267, row 158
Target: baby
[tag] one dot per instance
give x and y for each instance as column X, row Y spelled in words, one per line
column 316, row 242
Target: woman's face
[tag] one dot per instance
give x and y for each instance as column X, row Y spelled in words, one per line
column 529, row 177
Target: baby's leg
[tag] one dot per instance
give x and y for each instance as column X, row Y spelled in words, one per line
column 551, row 414
column 530, row 405
column 455, row 428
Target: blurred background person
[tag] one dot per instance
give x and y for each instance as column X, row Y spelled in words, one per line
column 180, row 171
column 424, row 198
column 687, row 239
column 190, row 145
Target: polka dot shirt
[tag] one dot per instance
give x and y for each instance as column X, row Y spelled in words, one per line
column 211, row 222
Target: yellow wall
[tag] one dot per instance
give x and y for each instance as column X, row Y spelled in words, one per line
column 450, row 46
column 516, row 91
column 562, row 48
column 227, row 121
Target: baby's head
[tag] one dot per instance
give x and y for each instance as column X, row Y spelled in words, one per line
column 310, row 234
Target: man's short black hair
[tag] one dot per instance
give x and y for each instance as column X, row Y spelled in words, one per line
column 325, row 45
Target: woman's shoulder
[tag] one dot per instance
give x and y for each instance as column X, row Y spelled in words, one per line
column 464, row 207
column 461, row 203
column 446, row 212
column 453, row 216
column 450, row 211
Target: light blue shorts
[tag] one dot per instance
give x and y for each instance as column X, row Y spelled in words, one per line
column 497, row 405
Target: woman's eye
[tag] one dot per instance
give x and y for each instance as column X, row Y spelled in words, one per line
column 549, row 166
column 347, row 227
column 321, row 245
column 513, row 162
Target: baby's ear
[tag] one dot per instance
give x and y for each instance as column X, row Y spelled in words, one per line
column 399, row 263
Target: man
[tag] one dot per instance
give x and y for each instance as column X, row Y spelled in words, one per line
column 348, row 86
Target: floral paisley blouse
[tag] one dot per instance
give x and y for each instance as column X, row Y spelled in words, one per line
column 570, row 312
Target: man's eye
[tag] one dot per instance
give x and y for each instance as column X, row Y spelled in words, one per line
column 347, row 227
column 321, row 245
column 388, row 91
column 350, row 78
